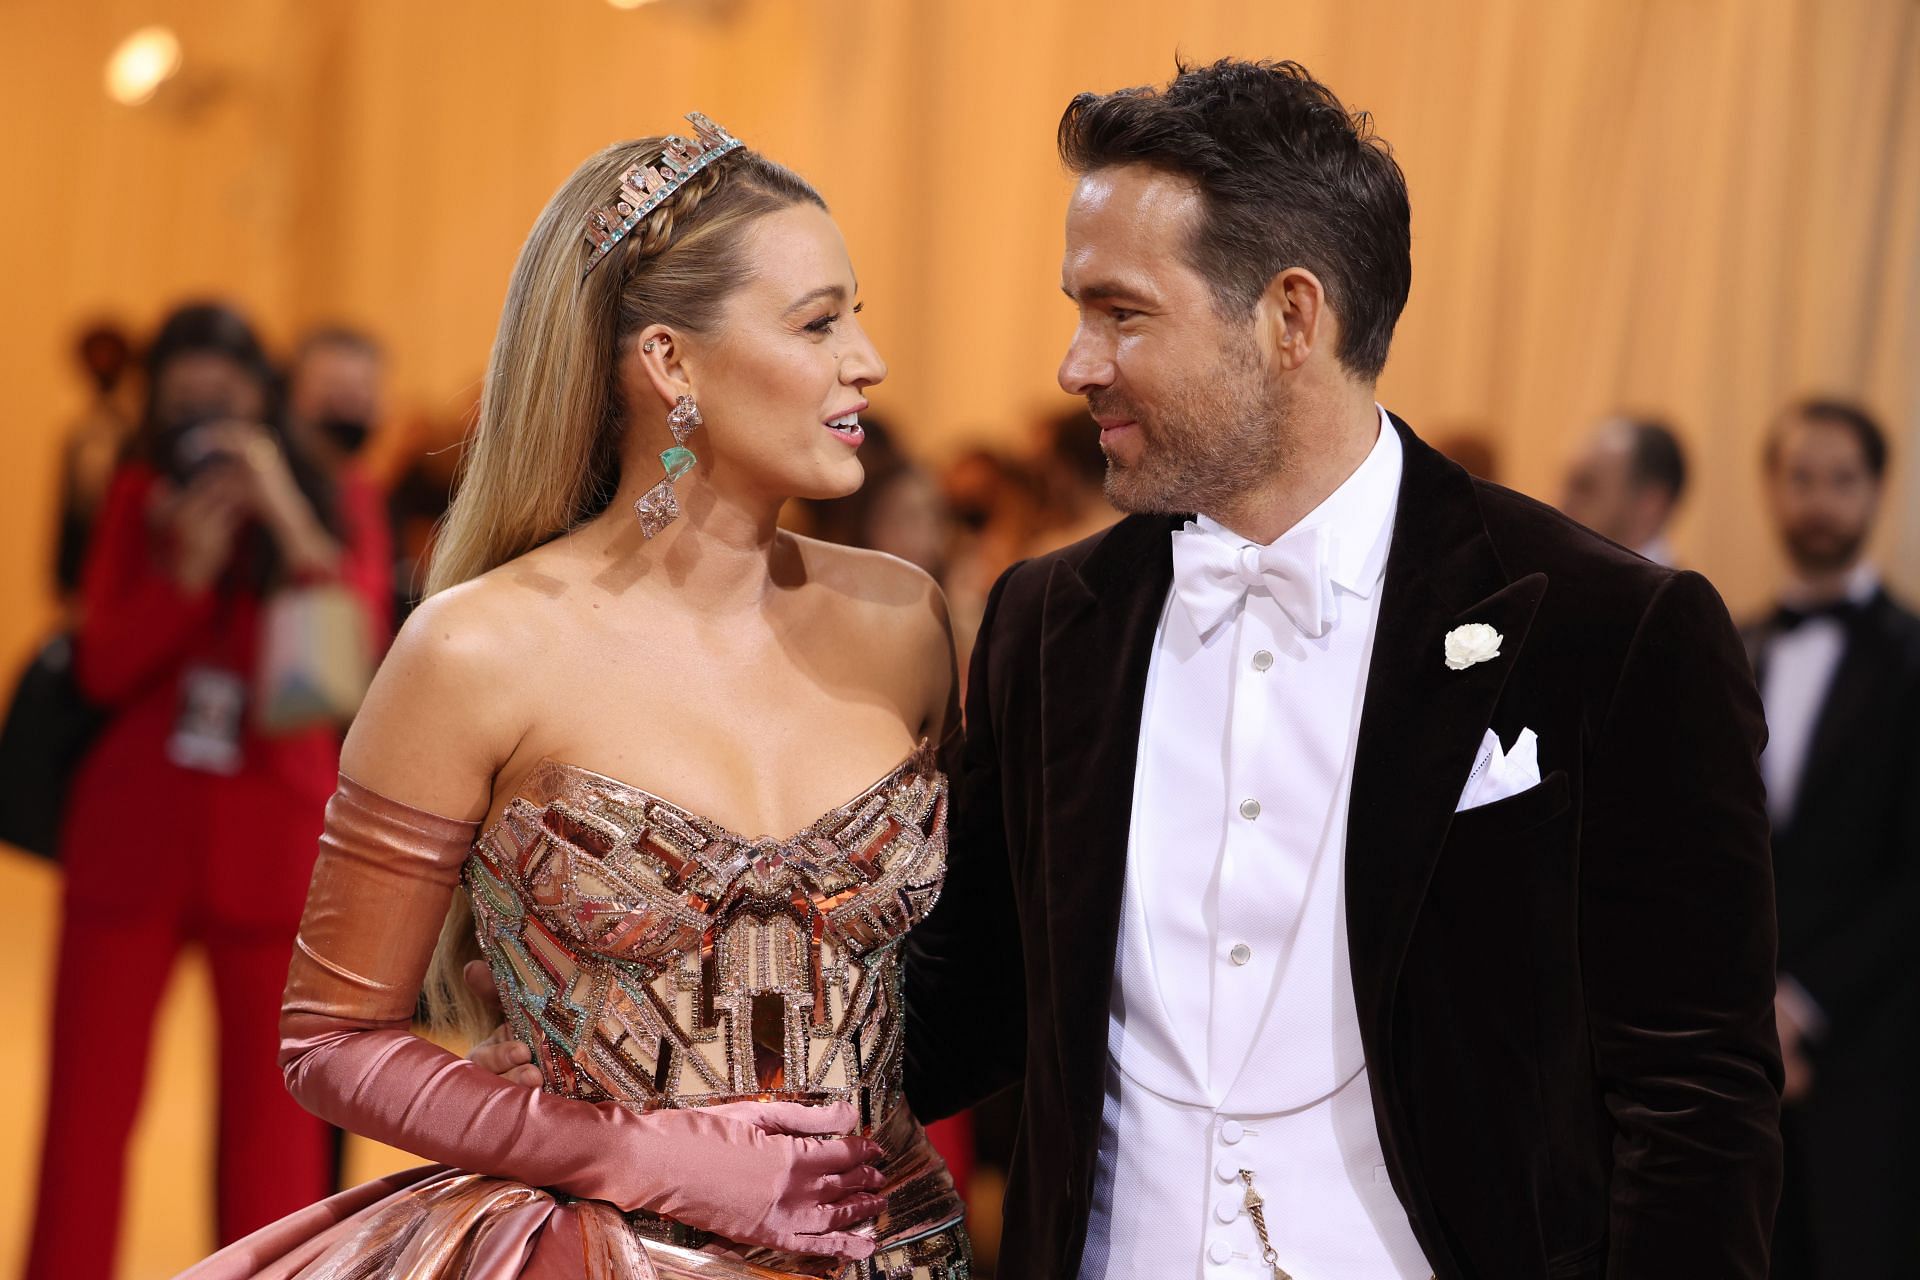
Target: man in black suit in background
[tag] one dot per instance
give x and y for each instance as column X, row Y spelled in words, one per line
column 1839, row 670
column 1626, row 484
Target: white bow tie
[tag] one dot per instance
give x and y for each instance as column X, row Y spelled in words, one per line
column 1211, row 577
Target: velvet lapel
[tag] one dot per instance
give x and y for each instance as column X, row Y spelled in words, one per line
column 1096, row 645
column 1421, row 723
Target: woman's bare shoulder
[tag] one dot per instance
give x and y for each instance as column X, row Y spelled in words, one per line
column 450, row 700
column 900, row 606
column 477, row 629
column 890, row 587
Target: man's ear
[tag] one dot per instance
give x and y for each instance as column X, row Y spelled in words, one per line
column 1292, row 318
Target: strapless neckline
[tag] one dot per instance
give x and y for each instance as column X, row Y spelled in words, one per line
column 914, row 759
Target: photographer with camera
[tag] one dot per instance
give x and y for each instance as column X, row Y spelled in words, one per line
column 233, row 601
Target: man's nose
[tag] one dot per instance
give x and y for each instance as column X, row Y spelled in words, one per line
column 1087, row 365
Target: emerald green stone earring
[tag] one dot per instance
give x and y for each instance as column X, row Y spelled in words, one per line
column 657, row 507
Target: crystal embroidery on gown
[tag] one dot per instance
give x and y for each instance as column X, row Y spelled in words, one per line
column 652, row 958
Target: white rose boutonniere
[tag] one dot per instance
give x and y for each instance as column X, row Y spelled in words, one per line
column 1475, row 642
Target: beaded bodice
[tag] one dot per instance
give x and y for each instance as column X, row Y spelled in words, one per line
column 649, row 956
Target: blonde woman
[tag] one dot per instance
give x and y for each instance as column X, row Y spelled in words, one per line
column 625, row 672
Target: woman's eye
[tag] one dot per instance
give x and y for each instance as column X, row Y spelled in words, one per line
column 825, row 323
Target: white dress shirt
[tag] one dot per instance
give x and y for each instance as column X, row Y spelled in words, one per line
column 1800, row 667
column 1232, row 1037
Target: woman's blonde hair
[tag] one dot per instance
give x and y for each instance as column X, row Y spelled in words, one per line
column 544, row 455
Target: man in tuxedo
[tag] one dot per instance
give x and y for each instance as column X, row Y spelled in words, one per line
column 1626, row 484
column 1363, row 867
column 1839, row 669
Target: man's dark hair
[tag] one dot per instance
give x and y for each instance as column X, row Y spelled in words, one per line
column 1656, row 458
column 1288, row 176
column 1838, row 413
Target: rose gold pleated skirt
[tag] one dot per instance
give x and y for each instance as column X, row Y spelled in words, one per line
column 436, row 1223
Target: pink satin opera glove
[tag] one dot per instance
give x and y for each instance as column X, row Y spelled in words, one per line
column 754, row 1173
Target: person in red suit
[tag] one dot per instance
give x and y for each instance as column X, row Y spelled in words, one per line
column 187, row 823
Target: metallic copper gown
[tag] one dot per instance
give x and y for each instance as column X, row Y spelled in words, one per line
column 651, row 958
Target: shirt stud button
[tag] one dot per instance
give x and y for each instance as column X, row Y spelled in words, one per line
column 1231, row 1131
column 1241, row 953
column 1227, row 1170
column 1262, row 660
column 1226, row 1211
column 1219, row 1252
column 1249, row 809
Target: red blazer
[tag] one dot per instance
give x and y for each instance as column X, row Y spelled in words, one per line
column 145, row 838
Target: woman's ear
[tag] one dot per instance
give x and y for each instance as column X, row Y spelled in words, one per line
column 661, row 363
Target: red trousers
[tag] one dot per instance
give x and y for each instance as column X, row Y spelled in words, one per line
column 273, row 1157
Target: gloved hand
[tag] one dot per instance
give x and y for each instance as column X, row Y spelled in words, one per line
column 752, row 1172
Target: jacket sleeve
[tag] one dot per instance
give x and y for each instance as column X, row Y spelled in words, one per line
column 965, row 983
column 136, row 623
column 1677, row 945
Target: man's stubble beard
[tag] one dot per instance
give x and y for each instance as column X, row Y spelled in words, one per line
column 1208, row 444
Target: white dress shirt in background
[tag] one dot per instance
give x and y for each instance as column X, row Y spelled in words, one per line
column 1800, row 666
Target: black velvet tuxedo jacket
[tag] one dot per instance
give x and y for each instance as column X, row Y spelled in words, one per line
column 1565, row 996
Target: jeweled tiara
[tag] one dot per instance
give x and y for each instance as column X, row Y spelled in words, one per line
column 645, row 187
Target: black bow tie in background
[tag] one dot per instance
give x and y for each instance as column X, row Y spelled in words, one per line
column 1786, row 617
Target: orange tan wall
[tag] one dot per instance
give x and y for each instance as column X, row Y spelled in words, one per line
column 1701, row 208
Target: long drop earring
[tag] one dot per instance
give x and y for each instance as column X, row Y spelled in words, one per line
column 658, row 506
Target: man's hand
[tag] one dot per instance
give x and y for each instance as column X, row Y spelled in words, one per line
column 1793, row 1049
column 785, row 1175
column 499, row 1053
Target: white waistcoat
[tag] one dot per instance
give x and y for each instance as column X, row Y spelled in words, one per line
column 1232, row 1038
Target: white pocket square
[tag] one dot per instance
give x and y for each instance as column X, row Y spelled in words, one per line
column 1498, row 774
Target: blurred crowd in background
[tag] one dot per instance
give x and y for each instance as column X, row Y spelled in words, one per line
column 233, row 555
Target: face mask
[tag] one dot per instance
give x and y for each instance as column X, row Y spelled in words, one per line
column 349, row 435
